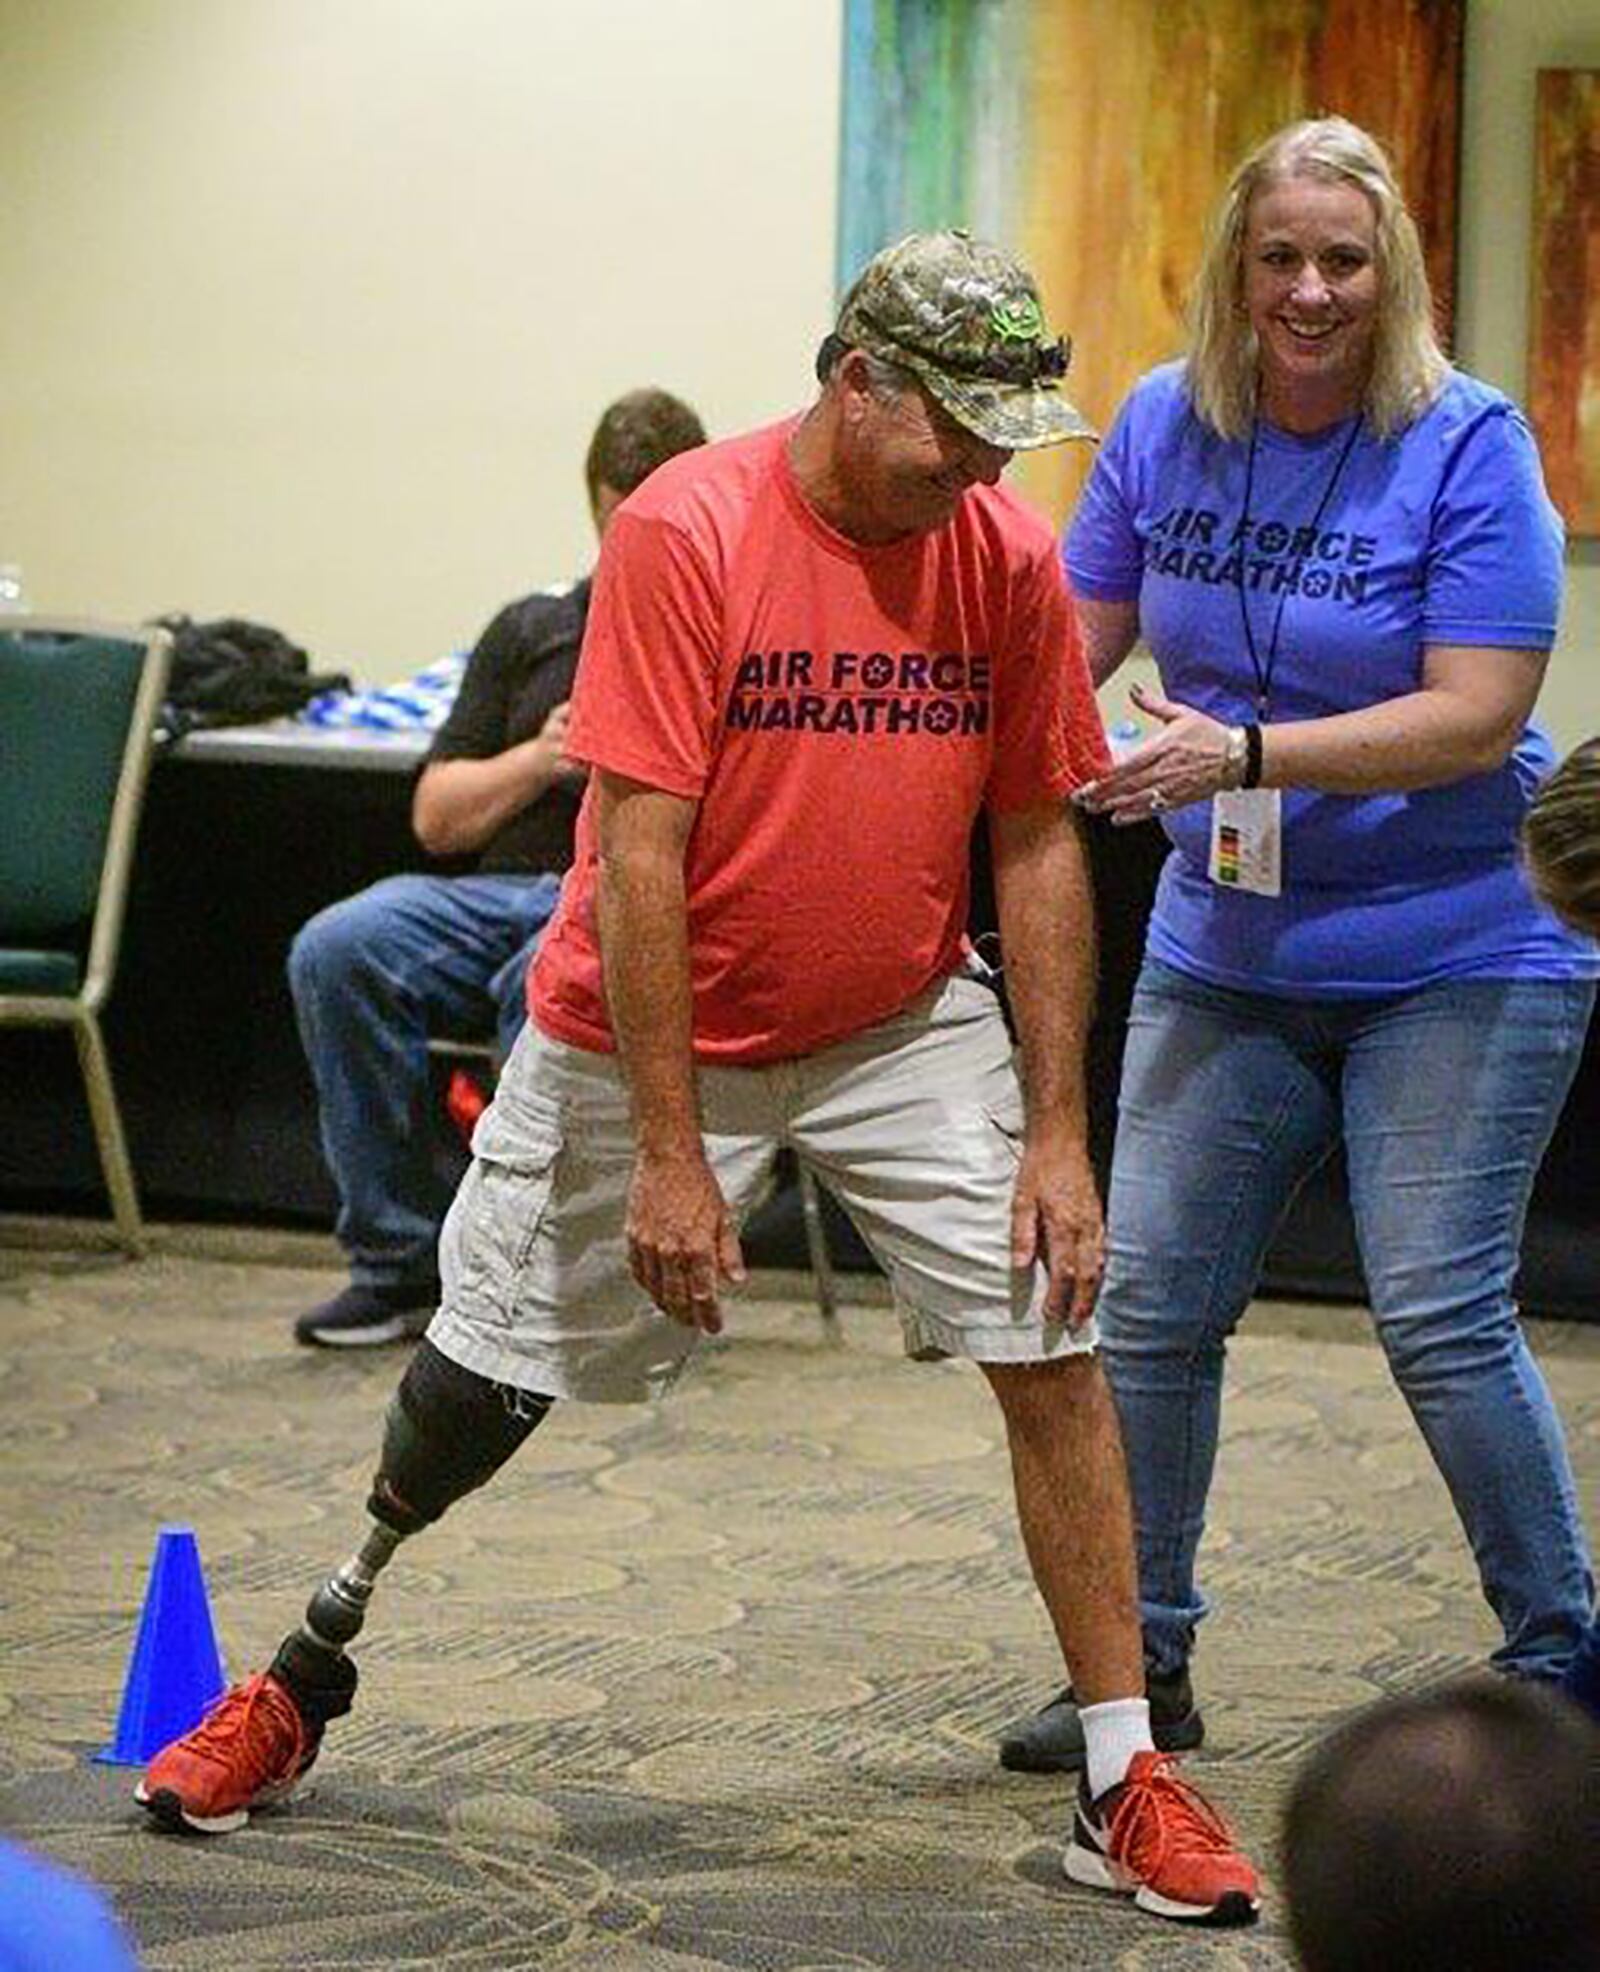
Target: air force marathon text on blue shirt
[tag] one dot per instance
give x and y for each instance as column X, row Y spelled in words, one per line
column 855, row 692
column 1266, row 554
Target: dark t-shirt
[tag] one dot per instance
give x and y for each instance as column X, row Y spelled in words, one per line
column 520, row 670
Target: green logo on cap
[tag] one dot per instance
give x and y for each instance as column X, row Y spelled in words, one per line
column 1017, row 321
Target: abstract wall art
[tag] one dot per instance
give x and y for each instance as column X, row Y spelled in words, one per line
column 1093, row 140
column 1564, row 307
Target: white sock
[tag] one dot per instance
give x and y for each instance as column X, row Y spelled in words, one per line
column 1113, row 1733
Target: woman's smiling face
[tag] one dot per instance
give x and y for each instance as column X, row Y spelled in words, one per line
column 1311, row 293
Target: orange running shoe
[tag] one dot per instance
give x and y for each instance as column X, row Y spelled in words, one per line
column 1157, row 1839
column 249, row 1751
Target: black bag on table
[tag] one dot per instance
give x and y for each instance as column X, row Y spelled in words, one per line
column 230, row 672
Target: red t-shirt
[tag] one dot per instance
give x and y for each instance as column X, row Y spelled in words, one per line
column 840, row 713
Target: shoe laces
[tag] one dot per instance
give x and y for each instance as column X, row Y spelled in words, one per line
column 1160, row 1814
column 255, row 1730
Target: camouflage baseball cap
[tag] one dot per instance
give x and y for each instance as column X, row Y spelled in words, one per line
column 964, row 318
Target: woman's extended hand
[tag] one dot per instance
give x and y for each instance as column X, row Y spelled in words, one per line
column 1186, row 761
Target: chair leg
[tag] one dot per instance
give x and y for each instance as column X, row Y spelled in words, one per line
column 112, row 1144
column 817, row 1249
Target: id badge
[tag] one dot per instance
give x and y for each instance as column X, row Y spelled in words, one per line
column 1247, row 841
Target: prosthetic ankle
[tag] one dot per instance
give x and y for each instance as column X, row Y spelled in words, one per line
column 447, row 1432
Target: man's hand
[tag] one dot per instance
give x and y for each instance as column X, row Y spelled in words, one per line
column 460, row 804
column 682, row 1247
column 1056, row 1218
column 552, row 741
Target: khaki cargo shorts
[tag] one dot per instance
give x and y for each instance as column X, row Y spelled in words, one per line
column 915, row 1127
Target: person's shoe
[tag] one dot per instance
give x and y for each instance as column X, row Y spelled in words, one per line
column 249, row 1751
column 1051, row 1739
column 1157, row 1839
column 365, row 1317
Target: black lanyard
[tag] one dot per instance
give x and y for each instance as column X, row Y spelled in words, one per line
column 1263, row 672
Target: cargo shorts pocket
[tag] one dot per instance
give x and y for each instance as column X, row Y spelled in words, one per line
column 1004, row 1113
column 490, row 1239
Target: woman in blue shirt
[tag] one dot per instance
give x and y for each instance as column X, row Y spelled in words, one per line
column 1341, row 553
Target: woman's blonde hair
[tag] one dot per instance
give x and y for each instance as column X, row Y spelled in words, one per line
column 1408, row 366
column 1561, row 839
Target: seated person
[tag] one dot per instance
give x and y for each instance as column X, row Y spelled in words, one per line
column 378, row 973
column 1455, row 1831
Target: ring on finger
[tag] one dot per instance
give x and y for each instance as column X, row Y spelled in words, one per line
column 1158, row 801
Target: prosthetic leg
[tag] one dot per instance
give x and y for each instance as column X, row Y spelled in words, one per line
column 447, row 1432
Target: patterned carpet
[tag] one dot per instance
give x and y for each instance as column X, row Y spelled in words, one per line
column 712, row 1686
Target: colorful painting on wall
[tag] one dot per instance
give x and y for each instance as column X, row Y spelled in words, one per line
column 1094, row 141
column 1564, row 316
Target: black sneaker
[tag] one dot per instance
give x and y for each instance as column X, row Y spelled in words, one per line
column 365, row 1317
column 1051, row 1740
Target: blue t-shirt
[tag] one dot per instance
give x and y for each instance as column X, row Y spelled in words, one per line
column 1441, row 535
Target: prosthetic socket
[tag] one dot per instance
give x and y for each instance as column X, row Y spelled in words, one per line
column 447, row 1432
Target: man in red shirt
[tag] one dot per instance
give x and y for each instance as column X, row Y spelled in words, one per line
column 815, row 653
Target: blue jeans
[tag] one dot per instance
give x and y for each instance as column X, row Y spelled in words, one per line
column 1445, row 1099
column 372, row 978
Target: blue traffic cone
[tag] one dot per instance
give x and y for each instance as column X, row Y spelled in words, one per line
column 175, row 1671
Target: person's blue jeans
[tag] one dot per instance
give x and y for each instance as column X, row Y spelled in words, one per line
column 1444, row 1099
column 373, row 977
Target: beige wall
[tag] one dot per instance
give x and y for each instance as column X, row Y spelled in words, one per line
column 1508, row 42
column 310, row 305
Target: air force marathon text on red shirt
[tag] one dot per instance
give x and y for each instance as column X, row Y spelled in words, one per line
column 856, row 692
